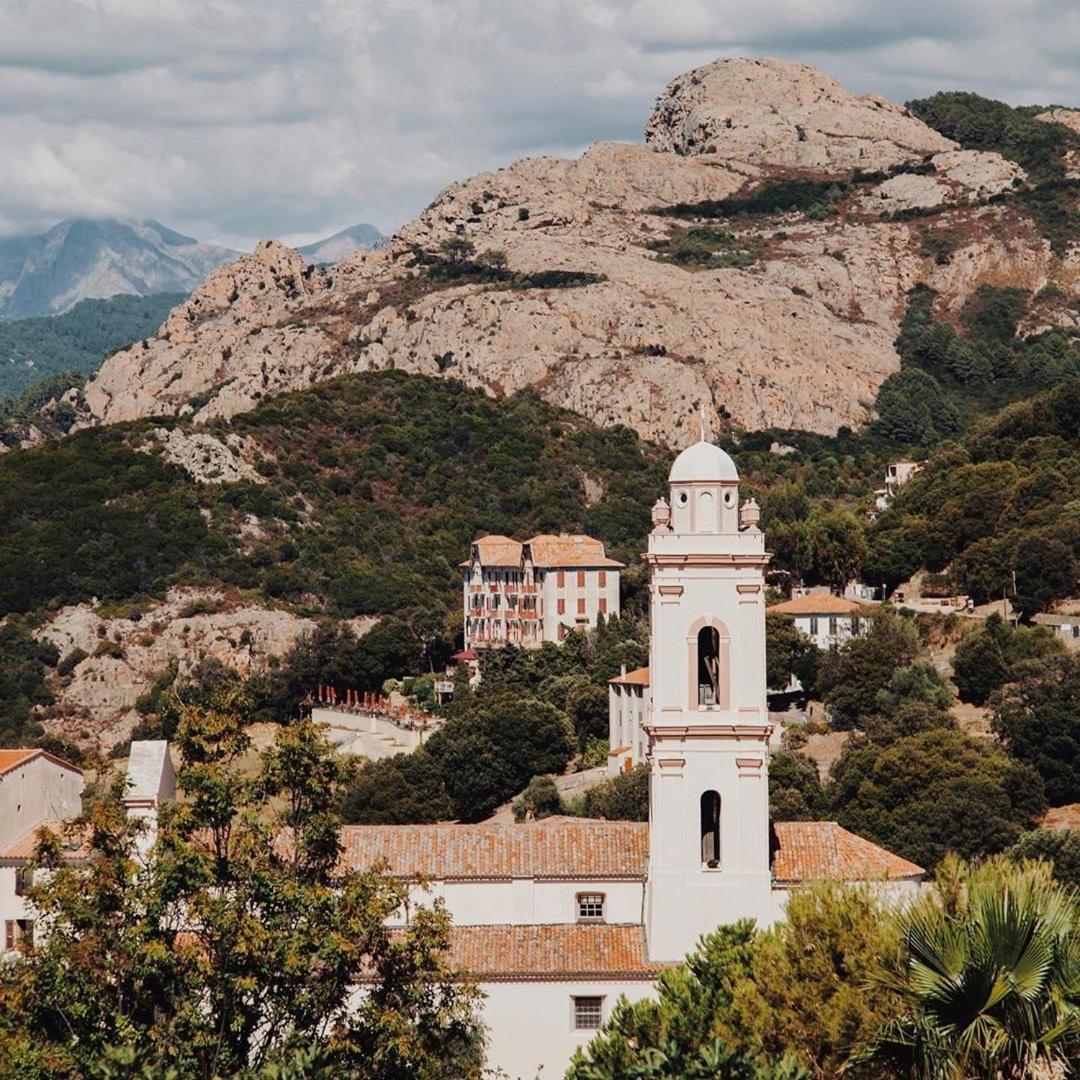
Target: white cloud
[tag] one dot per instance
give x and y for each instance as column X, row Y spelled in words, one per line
column 233, row 119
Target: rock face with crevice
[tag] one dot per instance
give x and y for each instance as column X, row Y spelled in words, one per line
column 796, row 330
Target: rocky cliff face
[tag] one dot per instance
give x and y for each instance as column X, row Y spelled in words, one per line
column 122, row 656
column 790, row 321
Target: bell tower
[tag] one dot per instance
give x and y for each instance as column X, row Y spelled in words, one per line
column 707, row 721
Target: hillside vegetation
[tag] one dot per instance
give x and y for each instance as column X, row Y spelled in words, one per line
column 77, row 341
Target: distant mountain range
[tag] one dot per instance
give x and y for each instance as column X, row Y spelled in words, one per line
column 80, row 259
column 342, row 243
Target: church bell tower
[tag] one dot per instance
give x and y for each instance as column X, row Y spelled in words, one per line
column 707, row 721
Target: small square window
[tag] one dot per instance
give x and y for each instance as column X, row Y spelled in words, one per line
column 590, row 907
column 588, row 1013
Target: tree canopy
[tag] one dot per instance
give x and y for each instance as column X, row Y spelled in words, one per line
column 232, row 941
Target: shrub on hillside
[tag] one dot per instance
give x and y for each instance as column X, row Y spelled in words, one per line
column 1037, row 718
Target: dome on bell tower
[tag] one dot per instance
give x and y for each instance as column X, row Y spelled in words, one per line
column 703, row 463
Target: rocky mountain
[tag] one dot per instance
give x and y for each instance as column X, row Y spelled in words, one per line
column 81, row 259
column 355, row 238
column 755, row 256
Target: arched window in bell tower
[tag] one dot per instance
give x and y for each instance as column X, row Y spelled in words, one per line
column 710, row 829
column 709, row 673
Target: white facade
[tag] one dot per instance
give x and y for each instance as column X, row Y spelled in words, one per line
column 36, row 789
column 533, row 901
column 627, row 697
column 530, row 1024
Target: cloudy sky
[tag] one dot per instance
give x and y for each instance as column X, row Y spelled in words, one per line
column 237, row 119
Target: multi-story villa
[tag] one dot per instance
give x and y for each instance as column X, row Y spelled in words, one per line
column 526, row 593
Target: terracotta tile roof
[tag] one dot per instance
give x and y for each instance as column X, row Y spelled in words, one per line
column 24, row 846
column 12, row 759
column 822, row 851
column 564, row 550
column 574, row 848
column 497, row 550
column 819, row 604
column 637, row 677
column 537, row 953
column 464, row 655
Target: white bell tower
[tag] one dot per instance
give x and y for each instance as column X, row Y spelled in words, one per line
column 707, row 722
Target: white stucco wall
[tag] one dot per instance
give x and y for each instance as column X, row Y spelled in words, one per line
column 530, row 1024
column 526, row 902
column 826, row 631
column 626, row 724
column 37, row 791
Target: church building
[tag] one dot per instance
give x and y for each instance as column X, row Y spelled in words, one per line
column 556, row 919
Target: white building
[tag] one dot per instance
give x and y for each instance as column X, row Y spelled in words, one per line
column 528, row 593
column 36, row 790
column 1065, row 627
column 627, row 698
column 556, row 919
column 897, row 474
column 827, row 620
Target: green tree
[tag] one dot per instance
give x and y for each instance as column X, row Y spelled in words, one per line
column 851, row 677
column 989, row 657
column 1058, row 847
column 988, row 977
column 232, row 941
column 1046, row 570
column 490, row 754
column 918, row 682
column 624, row 797
column 1037, row 717
column 913, row 409
column 795, row 792
column 791, row 996
column 24, row 665
column 914, row 796
column 838, row 542
column 788, row 652
column 540, row 799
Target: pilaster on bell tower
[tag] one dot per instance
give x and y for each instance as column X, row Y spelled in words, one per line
column 708, row 723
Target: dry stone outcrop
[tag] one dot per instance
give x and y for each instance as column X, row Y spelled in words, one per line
column 1071, row 119
column 125, row 654
column 798, row 333
column 777, row 113
column 207, row 459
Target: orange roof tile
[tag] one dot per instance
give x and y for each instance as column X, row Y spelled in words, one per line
column 24, row 846
column 818, row 604
column 564, row 550
column 497, row 550
column 637, row 677
column 561, row 951
column 574, row 848
column 823, row 851
column 12, row 759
